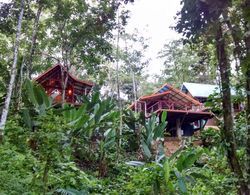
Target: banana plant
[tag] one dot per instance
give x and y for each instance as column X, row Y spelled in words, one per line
column 94, row 123
column 105, row 145
column 92, row 117
column 152, row 135
column 37, row 97
column 37, row 103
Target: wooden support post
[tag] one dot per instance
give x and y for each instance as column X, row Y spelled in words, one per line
column 178, row 128
column 136, row 106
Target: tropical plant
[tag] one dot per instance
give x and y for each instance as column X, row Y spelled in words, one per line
column 167, row 175
column 152, row 136
column 93, row 133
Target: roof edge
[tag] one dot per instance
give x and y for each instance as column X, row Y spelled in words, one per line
column 90, row 83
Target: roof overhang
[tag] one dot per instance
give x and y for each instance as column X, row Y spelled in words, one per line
column 186, row 116
column 59, row 67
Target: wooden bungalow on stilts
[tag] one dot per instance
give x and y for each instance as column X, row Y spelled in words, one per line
column 185, row 115
column 57, row 80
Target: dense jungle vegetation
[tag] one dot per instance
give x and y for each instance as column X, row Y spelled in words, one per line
column 102, row 147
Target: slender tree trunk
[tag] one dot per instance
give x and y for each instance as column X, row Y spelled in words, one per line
column 128, row 63
column 248, row 122
column 245, row 64
column 28, row 62
column 118, row 83
column 13, row 74
column 20, row 85
column 227, row 130
column 247, row 73
column 235, row 31
column 33, row 39
column 134, row 84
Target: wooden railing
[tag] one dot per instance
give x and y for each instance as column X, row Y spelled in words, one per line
column 142, row 107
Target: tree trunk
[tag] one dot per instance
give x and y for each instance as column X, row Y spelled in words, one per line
column 134, row 84
column 33, row 39
column 247, row 73
column 118, row 84
column 19, row 86
column 248, row 120
column 227, row 130
column 235, row 31
column 245, row 65
column 13, row 74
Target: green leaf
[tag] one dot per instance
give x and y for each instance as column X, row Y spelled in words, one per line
column 188, row 158
column 70, row 191
column 29, row 88
column 159, row 130
column 38, row 95
column 166, row 169
column 27, row 118
column 181, row 181
column 146, row 150
column 80, row 122
column 164, row 116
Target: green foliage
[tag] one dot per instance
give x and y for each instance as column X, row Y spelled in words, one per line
column 38, row 97
column 152, row 135
column 169, row 177
column 16, row 170
column 211, row 137
column 214, row 103
column 217, row 177
column 50, row 155
column 71, row 192
column 241, row 129
column 187, row 63
column 62, row 151
column 93, row 130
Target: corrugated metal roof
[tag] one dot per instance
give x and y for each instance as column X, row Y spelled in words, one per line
column 163, row 89
column 202, row 90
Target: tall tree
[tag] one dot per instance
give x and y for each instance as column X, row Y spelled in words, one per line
column 40, row 6
column 196, row 17
column 224, row 67
column 134, row 63
column 187, row 63
column 246, row 66
column 13, row 73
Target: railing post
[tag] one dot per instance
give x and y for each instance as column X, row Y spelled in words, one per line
column 178, row 128
column 160, row 105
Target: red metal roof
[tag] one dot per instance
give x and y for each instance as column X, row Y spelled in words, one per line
column 57, row 66
column 179, row 93
column 154, row 96
column 169, row 93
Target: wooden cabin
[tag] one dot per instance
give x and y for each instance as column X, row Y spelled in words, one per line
column 201, row 92
column 52, row 81
column 185, row 115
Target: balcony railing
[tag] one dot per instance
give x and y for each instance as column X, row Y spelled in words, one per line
column 141, row 106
